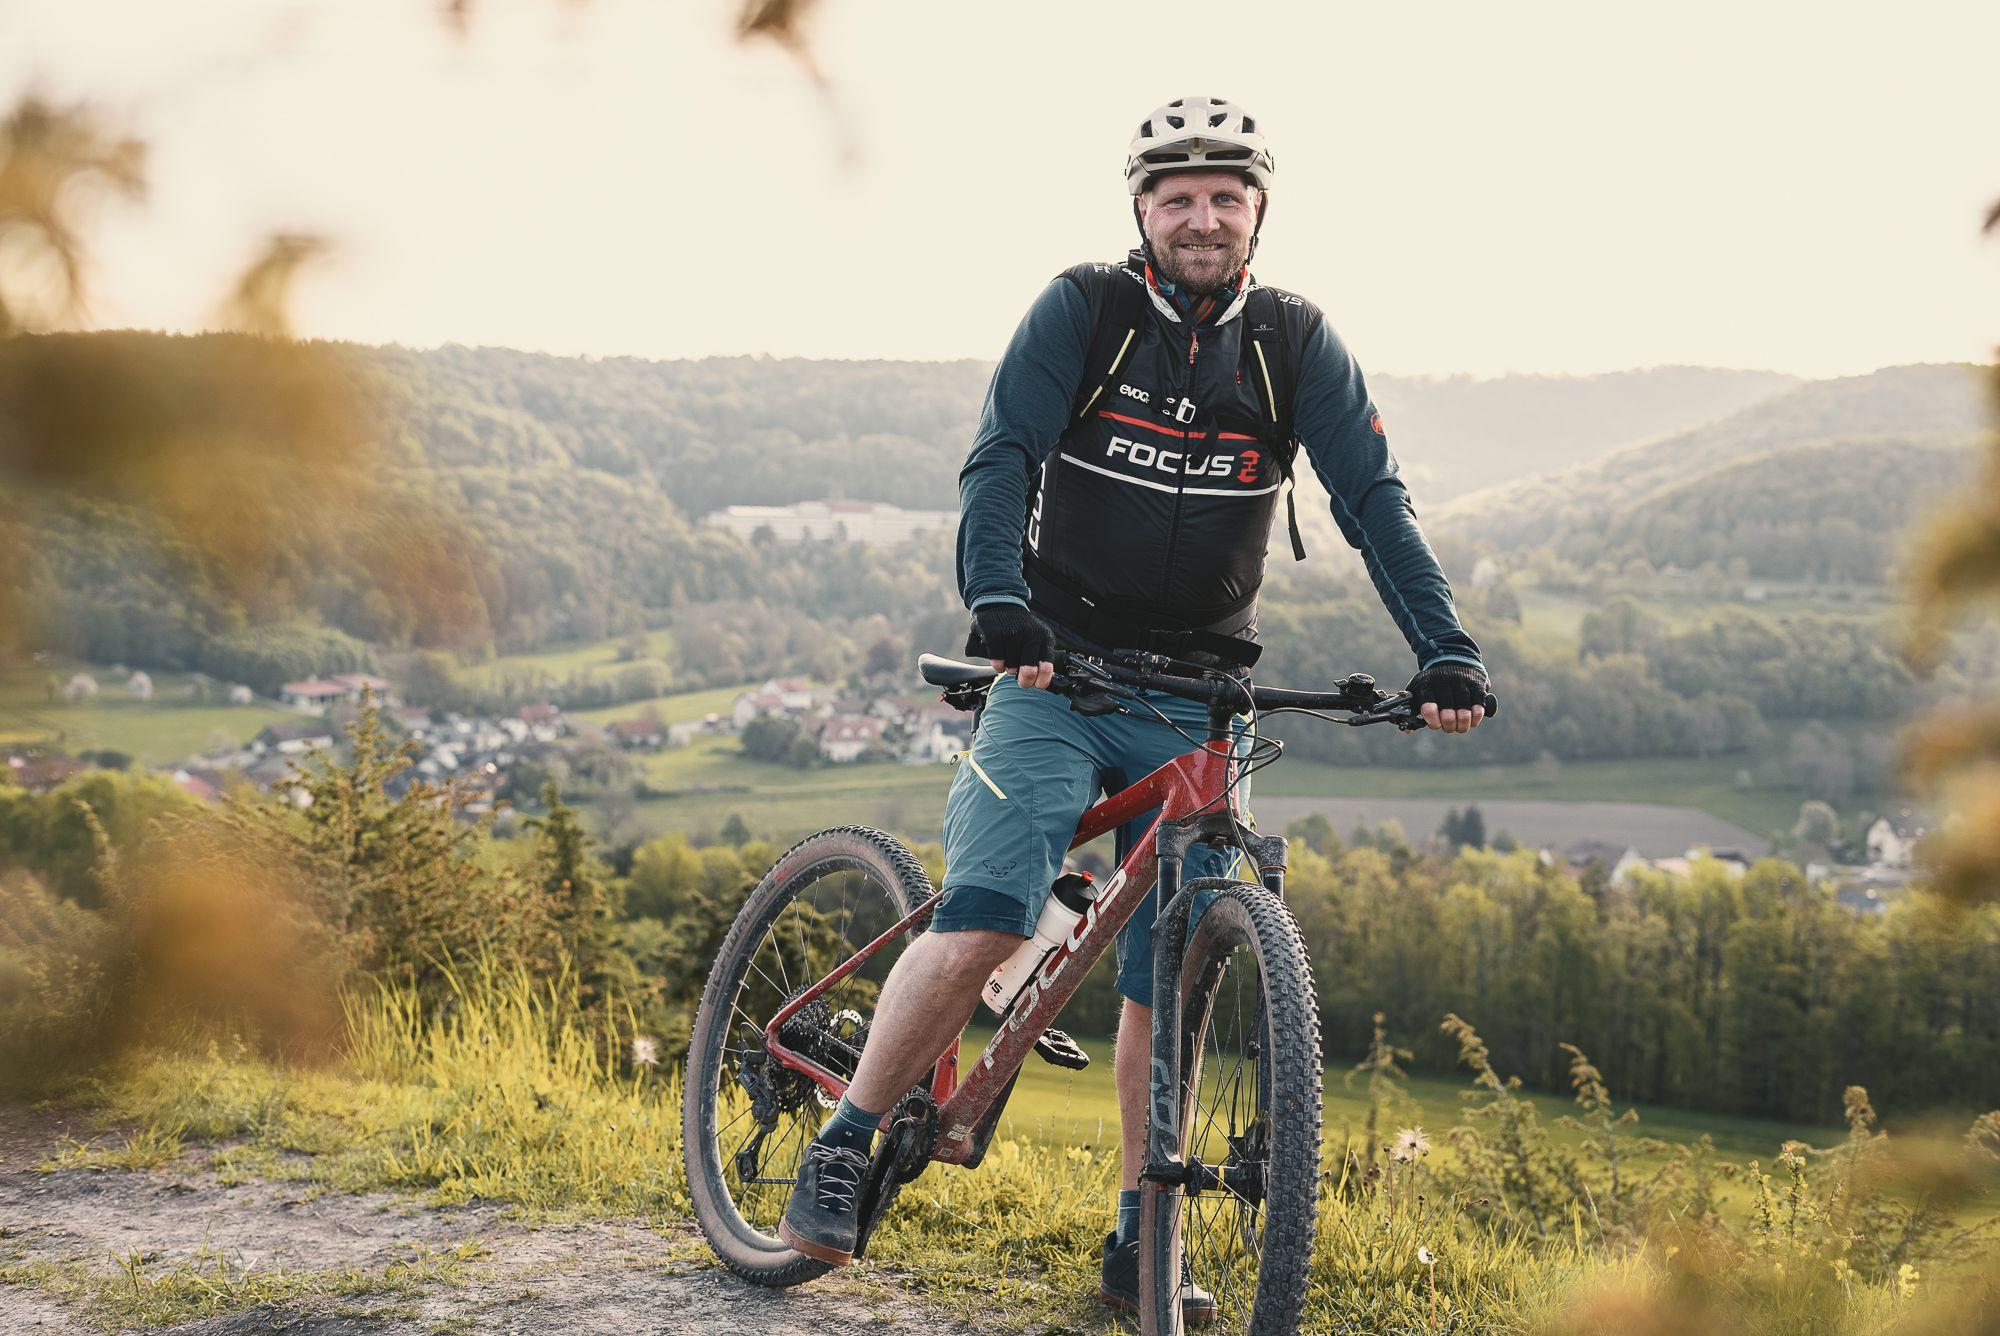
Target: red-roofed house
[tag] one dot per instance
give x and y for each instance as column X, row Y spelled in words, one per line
column 797, row 691
column 644, row 732
column 846, row 736
column 356, row 683
column 315, row 695
column 195, row 786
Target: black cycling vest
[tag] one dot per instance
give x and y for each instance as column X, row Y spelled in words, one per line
column 1155, row 507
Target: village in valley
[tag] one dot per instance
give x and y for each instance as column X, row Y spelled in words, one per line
column 483, row 758
column 496, row 764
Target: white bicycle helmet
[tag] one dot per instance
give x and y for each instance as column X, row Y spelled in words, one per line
column 1196, row 134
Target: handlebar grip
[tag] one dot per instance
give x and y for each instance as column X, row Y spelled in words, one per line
column 1492, row 706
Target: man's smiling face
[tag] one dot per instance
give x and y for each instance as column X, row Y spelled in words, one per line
column 1200, row 224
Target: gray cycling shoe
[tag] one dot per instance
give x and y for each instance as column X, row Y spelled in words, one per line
column 1120, row 1286
column 821, row 1221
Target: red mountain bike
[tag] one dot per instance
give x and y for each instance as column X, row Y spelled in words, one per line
column 1232, row 1160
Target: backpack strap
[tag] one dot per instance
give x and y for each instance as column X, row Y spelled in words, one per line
column 1117, row 313
column 1273, row 369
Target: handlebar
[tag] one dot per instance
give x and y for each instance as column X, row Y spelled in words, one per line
column 1094, row 678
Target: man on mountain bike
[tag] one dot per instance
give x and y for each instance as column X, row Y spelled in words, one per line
column 1124, row 499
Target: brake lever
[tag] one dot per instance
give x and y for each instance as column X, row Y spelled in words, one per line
column 1399, row 710
column 1091, row 690
column 1395, row 709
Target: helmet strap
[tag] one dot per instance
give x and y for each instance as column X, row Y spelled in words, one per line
column 1145, row 242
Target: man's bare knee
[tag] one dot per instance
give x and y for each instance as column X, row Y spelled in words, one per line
column 975, row 953
column 981, row 951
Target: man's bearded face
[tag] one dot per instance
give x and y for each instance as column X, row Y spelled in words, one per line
column 1200, row 224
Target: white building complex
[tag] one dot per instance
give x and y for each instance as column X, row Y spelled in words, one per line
column 876, row 523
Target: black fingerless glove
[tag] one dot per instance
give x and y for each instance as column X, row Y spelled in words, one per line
column 1449, row 685
column 1010, row 633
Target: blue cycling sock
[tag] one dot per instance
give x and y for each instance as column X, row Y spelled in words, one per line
column 1128, row 1215
column 851, row 1127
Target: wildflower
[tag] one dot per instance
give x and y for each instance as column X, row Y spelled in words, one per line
column 1410, row 1144
column 1429, row 1260
column 1906, row 1280
column 645, row 1051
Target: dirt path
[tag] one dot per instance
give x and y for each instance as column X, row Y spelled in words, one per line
column 621, row 1278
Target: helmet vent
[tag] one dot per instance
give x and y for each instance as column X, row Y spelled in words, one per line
column 1146, row 130
column 1217, row 119
column 1176, row 122
column 1176, row 102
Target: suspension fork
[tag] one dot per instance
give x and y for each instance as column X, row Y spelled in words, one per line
column 1165, row 1171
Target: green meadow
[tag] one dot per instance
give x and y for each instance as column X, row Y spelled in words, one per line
column 596, row 658
column 1058, row 1108
column 170, row 727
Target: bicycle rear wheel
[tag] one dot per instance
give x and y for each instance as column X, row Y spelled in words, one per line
column 1250, row 1121
column 745, row 1119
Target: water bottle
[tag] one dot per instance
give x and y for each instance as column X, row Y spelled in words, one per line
column 1068, row 899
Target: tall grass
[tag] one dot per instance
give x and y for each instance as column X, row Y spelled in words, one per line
column 502, row 1093
column 506, row 1093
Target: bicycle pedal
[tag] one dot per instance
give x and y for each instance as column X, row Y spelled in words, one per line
column 1059, row 1050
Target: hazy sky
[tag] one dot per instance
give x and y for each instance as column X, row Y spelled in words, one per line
column 1535, row 187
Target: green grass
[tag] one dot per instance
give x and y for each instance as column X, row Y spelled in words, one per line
column 510, row 1097
column 1677, row 781
column 673, row 708
column 597, row 658
column 170, row 727
column 711, row 778
column 1061, row 1109
column 138, row 1292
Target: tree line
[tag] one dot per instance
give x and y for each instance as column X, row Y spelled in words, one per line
column 1756, row 994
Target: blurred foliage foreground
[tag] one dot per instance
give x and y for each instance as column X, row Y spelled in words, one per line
column 366, row 991
column 369, row 992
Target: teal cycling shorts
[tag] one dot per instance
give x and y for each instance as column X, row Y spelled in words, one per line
column 1035, row 767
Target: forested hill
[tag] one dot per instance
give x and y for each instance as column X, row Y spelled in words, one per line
column 522, row 500
column 1459, row 434
column 715, row 432
column 1816, row 483
column 744, row 430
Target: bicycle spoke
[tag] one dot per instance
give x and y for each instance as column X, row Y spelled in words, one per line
column 1222, row 1228
column 831, row 917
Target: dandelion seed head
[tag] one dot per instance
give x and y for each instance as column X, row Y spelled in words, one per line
column 1427, row 1257
column 645, row 1051
column 1410, row 1144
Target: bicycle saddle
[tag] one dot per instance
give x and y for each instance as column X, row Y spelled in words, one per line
column 942, row 672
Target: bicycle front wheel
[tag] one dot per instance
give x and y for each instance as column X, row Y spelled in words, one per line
column 1242, row 1225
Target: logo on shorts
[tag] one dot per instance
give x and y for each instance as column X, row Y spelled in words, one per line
column 996, row 868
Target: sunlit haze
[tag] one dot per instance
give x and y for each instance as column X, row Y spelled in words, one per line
column 1555, row 188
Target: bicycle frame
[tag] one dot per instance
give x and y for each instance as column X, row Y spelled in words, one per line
column 1187, row 790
